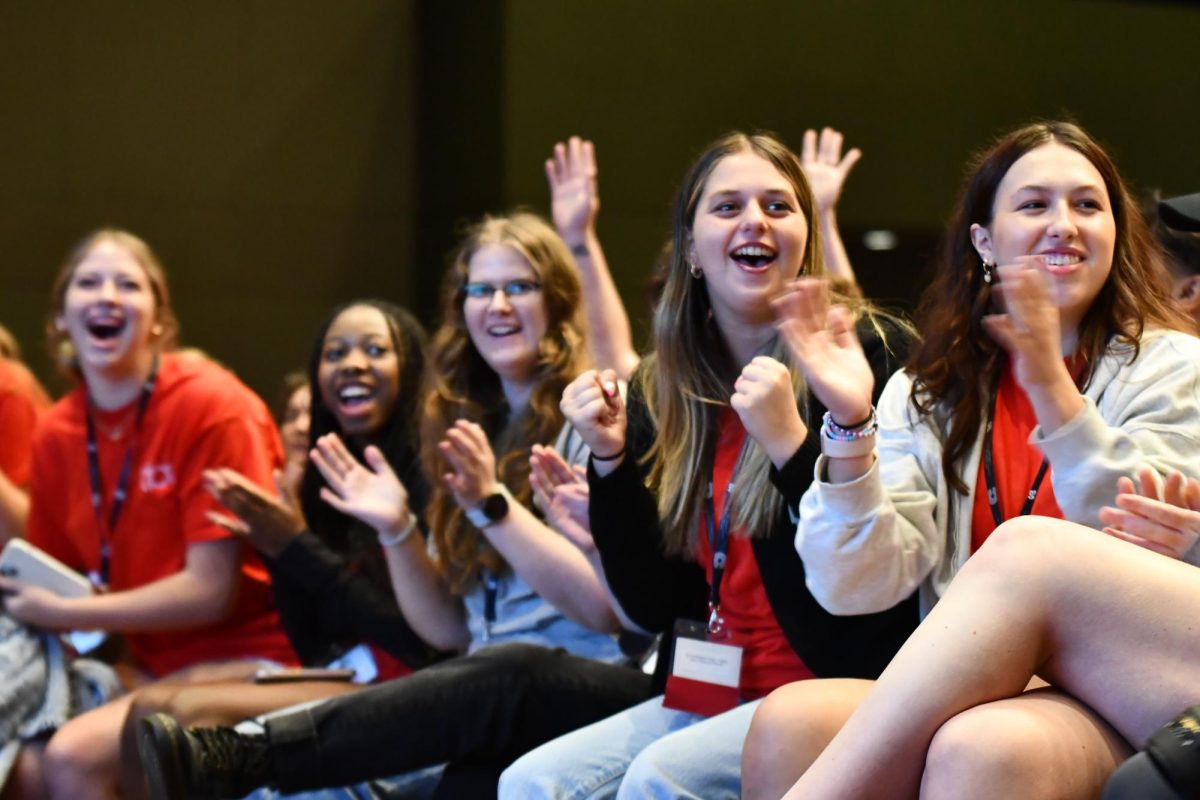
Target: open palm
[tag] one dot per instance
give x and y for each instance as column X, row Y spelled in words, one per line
column 370, row 493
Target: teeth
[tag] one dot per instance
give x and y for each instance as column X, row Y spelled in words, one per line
column 754, row 251
column 1060, row 259
column 503, row 330
column 353, row 392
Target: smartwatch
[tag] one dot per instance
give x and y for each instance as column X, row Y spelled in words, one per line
column 493, row 508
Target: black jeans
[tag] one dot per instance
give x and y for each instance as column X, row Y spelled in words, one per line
column 478, row 713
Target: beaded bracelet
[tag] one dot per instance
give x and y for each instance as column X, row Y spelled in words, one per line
column 831, row 430
column 403, row 535
column 839, row 442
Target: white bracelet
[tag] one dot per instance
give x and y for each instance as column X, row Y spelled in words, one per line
column 402, row 536
column 836, row 448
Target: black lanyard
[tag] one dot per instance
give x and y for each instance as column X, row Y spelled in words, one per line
column 718, row 541
column 491, row 587
column 122, row 489
column 989, row 472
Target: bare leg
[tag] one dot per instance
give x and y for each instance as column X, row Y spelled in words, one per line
column 791, row 728
column 25, row 781
column 82, row 759
column 209, row 704
column 1041, row 597
column 1043, row 745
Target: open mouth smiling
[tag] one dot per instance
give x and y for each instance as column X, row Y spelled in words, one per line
column 355, row 395
column 106, row 327
column 1061, row 263
column 754, row 256
column 500, row 331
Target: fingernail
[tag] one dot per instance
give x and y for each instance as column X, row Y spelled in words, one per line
column 610, row 388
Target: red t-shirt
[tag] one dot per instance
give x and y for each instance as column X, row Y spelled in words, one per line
column 1016, row 463
column 200, row 416
column 22, row 402
column 768, row 660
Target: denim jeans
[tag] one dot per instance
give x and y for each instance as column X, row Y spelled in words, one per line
column 475, row 713
column 647, row 751
column 419, row 785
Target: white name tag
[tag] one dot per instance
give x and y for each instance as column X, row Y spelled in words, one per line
column 709, row 662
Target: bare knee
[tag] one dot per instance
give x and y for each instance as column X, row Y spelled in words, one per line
column 790, row 729
column 75, row 764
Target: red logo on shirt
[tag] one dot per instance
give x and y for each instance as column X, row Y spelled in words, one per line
column 157, row 478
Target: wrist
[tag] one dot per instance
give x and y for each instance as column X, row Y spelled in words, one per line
column 781, row 447
column 581, row 242
column 851, row 419
column 493, row 507
column 399, row 524
column 400, row 533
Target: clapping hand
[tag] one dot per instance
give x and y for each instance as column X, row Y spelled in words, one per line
column 371, row 493
column 268, row 522
column 1029, row 328
column 1164, row 519
column 472, row 475
column 561, row 491
column 826, row 349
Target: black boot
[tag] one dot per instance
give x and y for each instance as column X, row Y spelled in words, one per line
column 1169, row 767
column 200, row 763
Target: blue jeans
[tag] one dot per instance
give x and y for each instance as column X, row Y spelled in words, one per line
column 419, row 785
column 647, row 751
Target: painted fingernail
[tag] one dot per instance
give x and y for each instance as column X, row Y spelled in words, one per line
column 610, row 388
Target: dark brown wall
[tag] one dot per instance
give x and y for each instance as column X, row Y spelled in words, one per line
column 917, row 84
column 264, row 149
column 286, row 155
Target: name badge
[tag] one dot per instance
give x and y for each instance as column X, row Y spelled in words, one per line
column 705, row 675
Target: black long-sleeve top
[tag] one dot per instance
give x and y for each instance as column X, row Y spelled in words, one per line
column 655, row 588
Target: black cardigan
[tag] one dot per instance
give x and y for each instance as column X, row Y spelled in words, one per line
column 655, row 589
column 327, row 607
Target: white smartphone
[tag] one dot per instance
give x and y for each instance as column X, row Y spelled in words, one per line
column 29, row 564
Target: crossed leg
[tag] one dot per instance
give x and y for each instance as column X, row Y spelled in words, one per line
column 1108, row 624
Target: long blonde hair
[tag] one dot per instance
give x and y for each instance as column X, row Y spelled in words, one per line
column 688, row 379
column 461, row 385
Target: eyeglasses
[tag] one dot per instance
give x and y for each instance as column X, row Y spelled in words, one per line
column 486, row 291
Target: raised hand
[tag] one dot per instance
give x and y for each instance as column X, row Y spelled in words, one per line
column 765, row 400
column 826, row 349
column 1165, row 520
column 574, row 199
column 561, row 491
column 371, row 493
column 593, row 405
column 268, row 522
column 472, row 475
column 1029, row 329
column 825, row 166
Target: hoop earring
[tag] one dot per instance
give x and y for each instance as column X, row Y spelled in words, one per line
column 987, row 271
column 697, row 273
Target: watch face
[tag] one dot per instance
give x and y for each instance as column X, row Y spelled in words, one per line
column 495, row 507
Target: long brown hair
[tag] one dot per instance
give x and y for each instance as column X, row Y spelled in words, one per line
column 688, row 379
column 57, row 340
column 461, row 385
column 957, row 364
